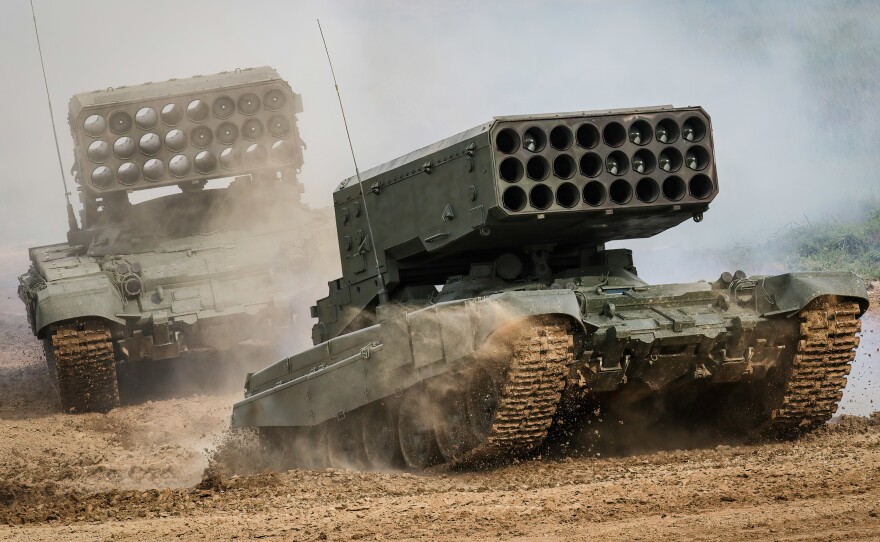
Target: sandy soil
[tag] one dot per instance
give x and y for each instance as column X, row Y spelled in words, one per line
column 134, row 474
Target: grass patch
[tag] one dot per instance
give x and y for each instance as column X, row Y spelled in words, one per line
column 834, row 243
column 836, row 246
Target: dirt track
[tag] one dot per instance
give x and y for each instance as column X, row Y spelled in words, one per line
column 130, row 475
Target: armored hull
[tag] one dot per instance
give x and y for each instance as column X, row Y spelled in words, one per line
column 483, row 378
column 498, row 314
column 100, row 306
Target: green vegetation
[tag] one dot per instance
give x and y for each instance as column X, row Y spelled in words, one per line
column 832, row 245
column 835, row 243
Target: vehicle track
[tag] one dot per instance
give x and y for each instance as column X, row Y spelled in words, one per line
column 819, row 367
column 529, row 392
column 82, row 353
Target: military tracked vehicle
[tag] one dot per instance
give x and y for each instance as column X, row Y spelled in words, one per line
column 195, row 270
column 478, row 301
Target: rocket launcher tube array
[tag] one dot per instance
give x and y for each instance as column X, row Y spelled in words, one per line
column 200, row 128
column 566, row 179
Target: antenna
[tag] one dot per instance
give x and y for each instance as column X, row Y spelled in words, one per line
column 383, row 293
column 71, row 216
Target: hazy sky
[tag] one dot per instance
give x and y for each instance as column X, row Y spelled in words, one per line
column 414, row 72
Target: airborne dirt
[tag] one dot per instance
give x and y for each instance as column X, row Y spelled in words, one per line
column 135, row 473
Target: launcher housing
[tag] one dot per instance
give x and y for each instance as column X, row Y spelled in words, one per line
column 182, row 132
column 549, row 190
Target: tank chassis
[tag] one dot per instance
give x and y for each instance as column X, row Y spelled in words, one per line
column 495, row 305
column 194, row 270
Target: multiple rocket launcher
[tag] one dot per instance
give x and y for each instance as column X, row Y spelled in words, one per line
column 564, row 179
column 561, row 180
column 502, row 213
column 604, row 161
column 590, row 164
column 199, row 128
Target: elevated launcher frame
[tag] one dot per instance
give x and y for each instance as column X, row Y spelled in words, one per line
column 183, row 132
column 564, row 181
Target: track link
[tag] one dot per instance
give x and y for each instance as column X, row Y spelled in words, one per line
column 819, row 367
column 541, row 355
column 85, row 367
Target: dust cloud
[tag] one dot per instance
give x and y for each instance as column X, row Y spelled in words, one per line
column 791, row 86
column 150, row 444
column 174, row 411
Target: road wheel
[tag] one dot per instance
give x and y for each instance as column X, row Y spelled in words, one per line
column 379, row 436
column 418, row 443
column 481, row 401
column 452, row 425
column 344, row 447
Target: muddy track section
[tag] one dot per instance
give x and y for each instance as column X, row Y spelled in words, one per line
column 530, row 393
column 86, row 370
column 819, row 368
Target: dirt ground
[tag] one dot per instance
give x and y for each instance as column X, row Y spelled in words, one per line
column 134, row 474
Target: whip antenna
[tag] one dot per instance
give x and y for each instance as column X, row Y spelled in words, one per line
column 71, row 216
column 383, row 294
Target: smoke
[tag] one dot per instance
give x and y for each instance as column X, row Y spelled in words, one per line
column 790, row 85
column 173, row 410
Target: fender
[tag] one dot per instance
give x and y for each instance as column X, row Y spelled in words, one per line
column 455, row 330
column 791, row 292
column 374, row 362
column 81, row 297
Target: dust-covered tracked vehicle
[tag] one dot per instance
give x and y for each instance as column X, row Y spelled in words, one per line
column 198, row 268
column 478, row 299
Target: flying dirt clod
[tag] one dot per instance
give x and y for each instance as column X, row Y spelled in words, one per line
column 506, row 316
column 201, row 270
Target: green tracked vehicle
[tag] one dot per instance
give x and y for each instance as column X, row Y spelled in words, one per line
column 478, row 303
column 198, row 269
